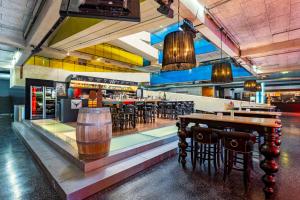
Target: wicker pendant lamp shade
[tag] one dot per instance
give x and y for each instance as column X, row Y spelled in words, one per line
column 179, row 51
column 221, row 72
column 250, row 86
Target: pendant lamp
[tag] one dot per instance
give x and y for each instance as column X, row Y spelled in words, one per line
column 250, row 86
column 221, row 71
column 258, row 87
column 179, row 50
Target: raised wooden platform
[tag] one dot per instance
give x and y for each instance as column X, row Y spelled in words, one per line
column 69, row 150
column 74, row 179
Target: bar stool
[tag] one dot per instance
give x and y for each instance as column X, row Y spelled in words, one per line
column 140, row 111
column 149, row 113
column 170, row 110
column 127, row 116
column 208, row 141
column 235, row 144
column 115, row 117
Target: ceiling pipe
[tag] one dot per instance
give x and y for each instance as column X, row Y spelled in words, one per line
column 38, row 48
column 35, row 14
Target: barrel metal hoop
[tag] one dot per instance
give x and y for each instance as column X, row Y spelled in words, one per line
column 93, row 142
column 92, row 124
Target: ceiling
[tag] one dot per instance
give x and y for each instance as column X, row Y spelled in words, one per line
column 6, row 55
column 14, row 17
column 267, row 32
column 253, row 24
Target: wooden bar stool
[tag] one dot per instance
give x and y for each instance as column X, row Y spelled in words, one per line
column 238, row 153
column 206, row 145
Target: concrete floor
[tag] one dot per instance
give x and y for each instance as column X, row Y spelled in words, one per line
column 20, row 175
column 21, row 178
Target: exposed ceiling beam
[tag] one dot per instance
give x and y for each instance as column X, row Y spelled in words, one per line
column 139, row 44
column 14, row 42
column 46, row 19
column 195, row 12
column 268, row 70
column 278, row 47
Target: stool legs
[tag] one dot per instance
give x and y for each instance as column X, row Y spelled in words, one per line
column 205, row 152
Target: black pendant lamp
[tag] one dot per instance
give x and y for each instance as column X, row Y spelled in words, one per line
column 258, row 87
column 250, row 85
column 179, row 50
column 221, row 71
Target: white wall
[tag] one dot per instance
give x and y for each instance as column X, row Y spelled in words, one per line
column 208, row 104
column 186, row 90
column 46, row 73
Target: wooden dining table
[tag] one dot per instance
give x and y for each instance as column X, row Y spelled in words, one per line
column 257, row 108
column 269, row 127
column 243, row 113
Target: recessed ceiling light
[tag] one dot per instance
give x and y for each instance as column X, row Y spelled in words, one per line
column 284, row 72
column 98, row 59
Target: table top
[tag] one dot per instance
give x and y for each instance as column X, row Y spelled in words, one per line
column 266, row 122
column 260, row 106
column 252, row 112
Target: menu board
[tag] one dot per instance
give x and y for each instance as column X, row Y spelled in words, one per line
column 76, row 104
column 101, row 80
column 61, row 89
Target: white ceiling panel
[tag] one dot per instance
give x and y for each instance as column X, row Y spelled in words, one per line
column 255, row 23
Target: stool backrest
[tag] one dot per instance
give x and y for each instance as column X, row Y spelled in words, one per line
column 128, row 109
column 238, row 141
column 205, row 135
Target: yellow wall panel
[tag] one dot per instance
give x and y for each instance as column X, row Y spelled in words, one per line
column 114, row 53
column 92, row 66
column 71, row 26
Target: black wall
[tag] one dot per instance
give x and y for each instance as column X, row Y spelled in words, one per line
column 10, row 97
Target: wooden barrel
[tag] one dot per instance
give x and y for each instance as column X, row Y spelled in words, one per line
column 93, row 133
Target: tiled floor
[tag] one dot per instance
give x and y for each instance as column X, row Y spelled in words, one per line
column 139, row 127
column 21, row 178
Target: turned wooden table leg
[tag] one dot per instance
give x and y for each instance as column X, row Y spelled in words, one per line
column 182, row 142
column 270, row 151
column 278, row 135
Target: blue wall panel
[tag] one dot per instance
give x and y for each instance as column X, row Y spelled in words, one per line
column 201, row 73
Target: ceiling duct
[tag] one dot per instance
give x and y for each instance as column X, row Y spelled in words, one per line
column 165, row 8
column 127, row 10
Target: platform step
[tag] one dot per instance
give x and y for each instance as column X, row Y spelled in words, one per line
column 73, row 183
column 71, row 154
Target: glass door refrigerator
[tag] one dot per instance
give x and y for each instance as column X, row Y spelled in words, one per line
column 42, row 102
column 50, row 99
column 37, row 102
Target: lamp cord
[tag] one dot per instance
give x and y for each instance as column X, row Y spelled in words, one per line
column 221, row 44
column 178, row 12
